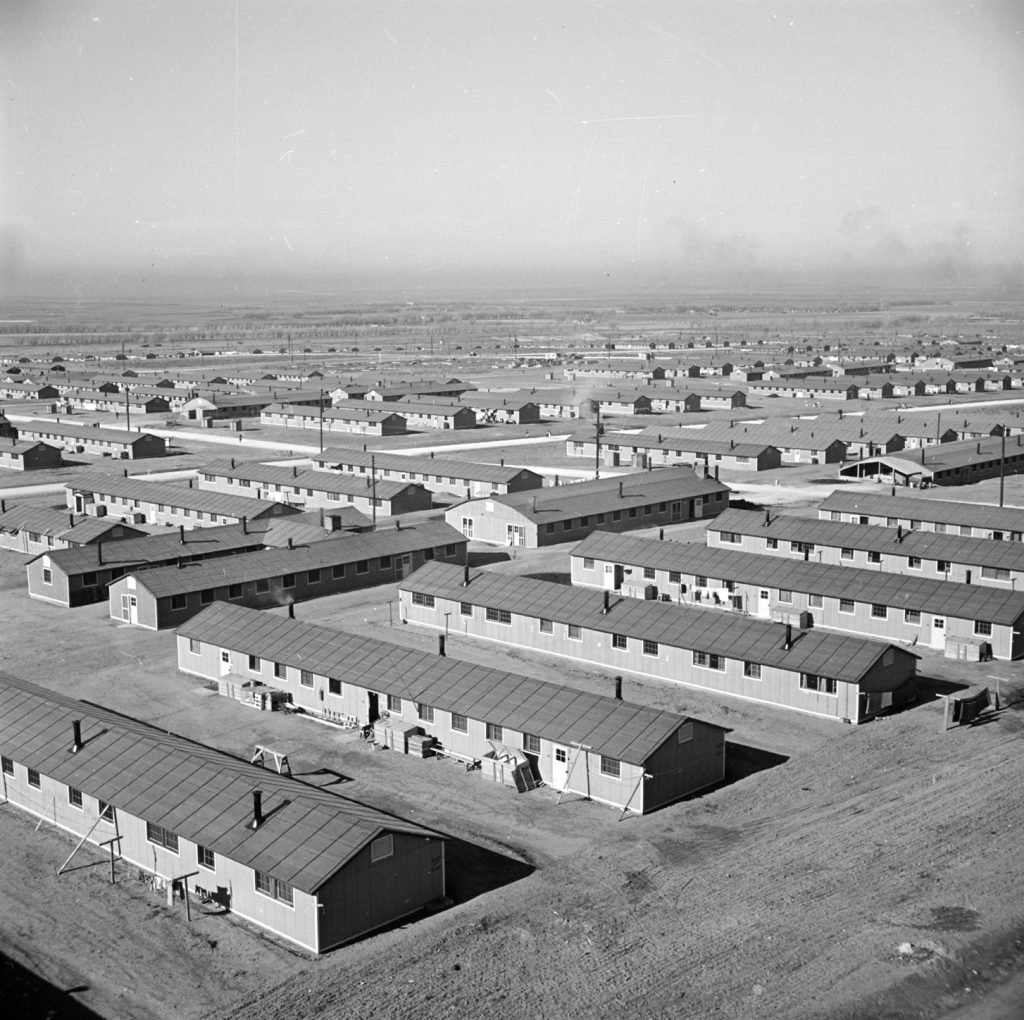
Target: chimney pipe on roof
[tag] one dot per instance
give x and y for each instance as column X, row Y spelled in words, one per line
column 618, row 688
column 257, row 809
column 767, row 517
column 967, row 578
column 99, row 553
column 3, row 506
column 190, row 483
column 465, row 576
column 76, row 729
column 290, row 542
column 716, row 472
column 789, row 637
column 604, row 609
column 620, row 490
column 181, row 534
column 71, row 520
column 291, row 610
column 440, row 645
column 126, row 472
column 661, row 534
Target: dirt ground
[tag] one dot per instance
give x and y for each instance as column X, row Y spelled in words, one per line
column 872, row 873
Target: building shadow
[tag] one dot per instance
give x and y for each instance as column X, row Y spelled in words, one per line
column 931, row 689
column 327, row 777
column 470, row 871
column 29, row 997
column 743, row 760
column 744, row 504
column 473, row 870
column 482, row 558
column 553, row 577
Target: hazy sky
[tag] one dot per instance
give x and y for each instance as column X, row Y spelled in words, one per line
column 436, row 135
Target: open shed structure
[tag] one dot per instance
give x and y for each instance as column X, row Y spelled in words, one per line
column 960, row 463
column 304, row 864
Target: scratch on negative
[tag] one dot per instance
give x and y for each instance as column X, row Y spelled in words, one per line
column 583, row 174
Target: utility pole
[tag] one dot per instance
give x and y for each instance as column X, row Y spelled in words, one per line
column 373, row 489
column 321, row 419
column 128, row 416
column 1002, row 464
column 597, row 443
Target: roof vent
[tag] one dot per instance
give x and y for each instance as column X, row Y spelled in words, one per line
column 257, row 809
column 76, row 729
